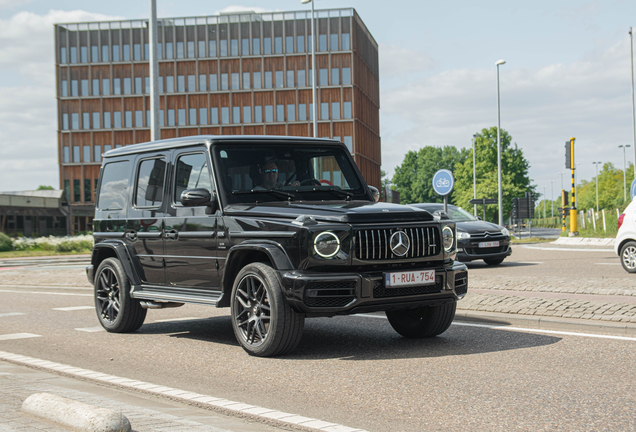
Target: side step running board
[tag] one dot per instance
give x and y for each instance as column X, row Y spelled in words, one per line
column 159, row 295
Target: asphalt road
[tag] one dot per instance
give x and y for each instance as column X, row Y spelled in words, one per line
column 353, row 370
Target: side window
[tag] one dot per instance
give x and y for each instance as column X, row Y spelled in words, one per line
column 192, row 172
column 150, row 181
column 113, row 190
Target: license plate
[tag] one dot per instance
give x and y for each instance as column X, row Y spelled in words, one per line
column 488, row 244
column 406, row 278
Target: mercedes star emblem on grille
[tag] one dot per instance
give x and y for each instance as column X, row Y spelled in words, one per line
column 400, row 243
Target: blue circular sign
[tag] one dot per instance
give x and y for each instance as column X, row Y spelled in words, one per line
column 443, row 182
column 632, row 189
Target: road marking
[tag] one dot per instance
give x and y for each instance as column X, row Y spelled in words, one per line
column 18, row 336
column 522, row 329
column 568, row 249
column 74, row 308
column 179, row 319
column 615, row 264
column 8, row 314
column 526, row 262
column 238, row 408
column 44, row 292
column 91, row 329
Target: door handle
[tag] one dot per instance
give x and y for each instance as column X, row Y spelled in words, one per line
column 131, row 235
column 172, row 234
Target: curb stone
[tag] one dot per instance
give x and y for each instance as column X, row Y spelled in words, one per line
column 582, row 241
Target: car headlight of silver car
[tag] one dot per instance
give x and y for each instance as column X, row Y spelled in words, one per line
column 461, row 235
column 505, row 232
column 327, row 244
column 448, row 238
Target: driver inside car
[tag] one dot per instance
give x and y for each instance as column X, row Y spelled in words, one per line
column 269, row 177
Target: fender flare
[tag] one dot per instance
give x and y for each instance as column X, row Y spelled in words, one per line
column 123, row 255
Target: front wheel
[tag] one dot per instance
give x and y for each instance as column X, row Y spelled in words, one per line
column 116, row 310
column 263, row 322
column 423, row 322
column 628, row 257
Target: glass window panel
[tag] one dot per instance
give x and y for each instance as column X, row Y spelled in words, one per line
column 181, row 83
column 280, row 113
column 335, row 110
column 333, row 42
column 345, row 42
column 107, row 147
column 289, row 44
column 85, row 87
column 191, row 49
column 223, row 47
column 67, row 190
column 192, row 173
column 335, row 76
column 203, row 116
column 212, row 45
column 147, row 84
column 300, row 43
column 96, row 120
column 171, row 117
column 324, row 111
column 117, row 86
column 268, row 79
column 236, row 115
column 84, row 54
column 346, row 110
column 302, row 112
column 117, row 119
column 246, row 80
column 115, row 53
column 147, row 52
column 192, row 116
column 269, row 113
column 76, row 190
column 224, row 82
column 201, row 48
column 213, row 82
column 148, row 118
column 139, row 119
column 76, row 154
column 247, row 114
column 126, row 52
column 310, row 77
column 106, row 86
column 86, row 154
column 137, row 51
column 301, row 78
column 127, row 86
column 65, row 121
column 161, row 118
column 235, row 81
column 87, row 188
column 128, row 117
column 279, row 79
column 160, row 84
column 64, row 88
column 322, row 42
column 97, row 154
column 182, row 116
column 170, row 84
column 258, row 114
column 104, row 53
column 94, row 54
column 278, row 45
column 138, row 85
column 86, row 123
column 290, row 78
column 346, row 76
column 169, row 52
column 63, row 55
column 107, row 120
column 291, row 112
column 192, row 83
column 257, row 80
column 214, row 116
column 95, row 87
column 203, row 80
column 225, row 115
column 179, row 50
column 267, row 46
column 150, row 181
column 324, row 77
column 311, row 111
column 245, row 47
column 348, row 140
column 234, row 47
column 256, row 46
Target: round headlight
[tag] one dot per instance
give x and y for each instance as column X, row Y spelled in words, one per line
column 447, row 238
column 462, row 235
column 327, row 244
column 505, row 232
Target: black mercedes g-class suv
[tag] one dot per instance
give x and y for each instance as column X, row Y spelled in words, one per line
column 276, row 228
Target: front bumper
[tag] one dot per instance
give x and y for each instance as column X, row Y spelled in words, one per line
column 320, row 294
column 470, row 252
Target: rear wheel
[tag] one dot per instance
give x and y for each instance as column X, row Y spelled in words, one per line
column 494, row 261
column 628, row 256
column 116, row 310
column 424, row 322
column 264, row 324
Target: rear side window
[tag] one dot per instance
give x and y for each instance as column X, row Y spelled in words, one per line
column 150, row 181
column 192, row 173
column 114, row 186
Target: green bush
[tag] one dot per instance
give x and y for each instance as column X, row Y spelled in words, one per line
column 5, row 243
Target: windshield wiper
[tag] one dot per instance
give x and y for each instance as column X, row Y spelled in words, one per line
column 274, row 192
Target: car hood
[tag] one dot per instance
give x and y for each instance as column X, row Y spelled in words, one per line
column 346, row 212
column 474, row 227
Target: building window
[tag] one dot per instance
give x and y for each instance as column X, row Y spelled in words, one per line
column 235, row 81
column 212, row 46
column 106, row 86
column 169, row 53
column 94, row 54
column 223, row 47
column 234, row 47
column 76, row 154
column 117, row 86
column 345, row 42
column 302, row 112
column 267, row 46
column 291, row 112
column 86, row 123
column 192, row 83
column 225, row 115
column 76, row 190
column 104, row 53
column 147, row 84
column 161, row 118
column 202, row 83
column 126, row 52
column 300, row 43
column 181, row 112
column 201, row 49
column 289, row 44
column 247, row 114
column 257, row 80
column 278, row 45
column 280, row 113
column 170, row 117
column 73, row 55
column 258, row 114
column 137, row 51
column 192, row 116
column 322, row 42
column 86, row 153
column 301, row 78
column 256, row 46
column 74, row 121
column 191, row 49
column 128, row 119
column 181, row 83
column 95, row 87
column 170, row 84
column 97, row 155
column 138, row 86
column 311, row 111
column 310, row 77
column 66, row 154
column 236, row 115
column 107, row 120
column 148, row 118
column 346, row 76
column 107, row 148
column 127, row 86
column 84, row 54
column 180, row 50
column 65, row 121
column 334, row 42
column 224, row 82
column 67, row 189
column 147, row 52
column 335, row 76
column 324, row 77
column 269, row 113
column 117, row 118
column 87, row 190
column 203, row 116
column 324, row 111
column 290, row 78
column 268, row 79
column 63, row 55
column 348, row 140
column 115, row 53
column 213, row 82
column 64, row 88
column 139, row 119
column 335, row 110
column 96, row 122
column 346, row 110
column 309, row 42
column 85, row 87
column 245, row 47
column 246, row 80
column 214, row 116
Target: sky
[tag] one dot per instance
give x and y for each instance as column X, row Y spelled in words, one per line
column 567, row 74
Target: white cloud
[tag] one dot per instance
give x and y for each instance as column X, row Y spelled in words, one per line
column 395, row 60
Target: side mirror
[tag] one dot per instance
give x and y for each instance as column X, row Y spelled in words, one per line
column 479, row 218
column 197, row 197
column 375, row 192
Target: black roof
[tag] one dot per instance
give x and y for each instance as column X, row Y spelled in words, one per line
column 213, row 139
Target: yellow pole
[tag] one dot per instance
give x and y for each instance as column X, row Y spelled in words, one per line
column 563, row 205
column 573, row 227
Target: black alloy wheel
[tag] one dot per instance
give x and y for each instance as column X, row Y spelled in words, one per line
column 107, row 295
column 252, row 310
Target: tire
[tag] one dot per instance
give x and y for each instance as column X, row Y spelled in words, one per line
column 264, row 324
column 422, row 322
column 116, row 310
column 493, row 261
column 628, row 256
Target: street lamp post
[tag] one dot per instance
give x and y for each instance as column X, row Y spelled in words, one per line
column 552, row 198
column 631, row 44
column 597, row 163
column 543, row 202
column 155, row 131
column 313, row 68
column 624, row 172
column 562, row 172
column 500, row 193
column 474, row 175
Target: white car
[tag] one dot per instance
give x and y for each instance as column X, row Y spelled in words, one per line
column 625, row 246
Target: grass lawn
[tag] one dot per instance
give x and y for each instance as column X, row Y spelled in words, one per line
column 515, row 240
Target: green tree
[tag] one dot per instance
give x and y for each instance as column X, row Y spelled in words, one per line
column 514, row 173
column 43, row 187
column 414, row 177
column 610, row 189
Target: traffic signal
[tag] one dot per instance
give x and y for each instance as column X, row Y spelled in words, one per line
column 568, row 155
column 515, row 208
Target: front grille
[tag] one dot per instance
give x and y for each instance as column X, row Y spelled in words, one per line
column 461, row 283
column 374, row 244
column 485, row 251
column 380, row 290
column 329, row 293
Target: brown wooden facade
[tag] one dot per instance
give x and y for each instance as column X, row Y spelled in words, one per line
column 220, row 75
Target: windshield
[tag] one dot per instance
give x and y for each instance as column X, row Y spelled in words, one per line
column 458, row 214
column 286, row 172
